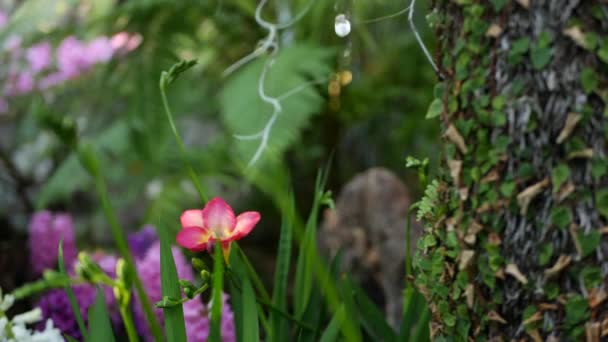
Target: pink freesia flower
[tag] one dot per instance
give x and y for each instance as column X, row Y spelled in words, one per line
column 216, row 222
column 124, row 42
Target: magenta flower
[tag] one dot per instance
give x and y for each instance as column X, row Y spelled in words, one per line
column 215, row 222
column 45, row 232
column 39, row 56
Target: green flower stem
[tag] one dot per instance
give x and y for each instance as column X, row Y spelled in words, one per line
column 180, row 143
column 91, row 164
column 127, row 319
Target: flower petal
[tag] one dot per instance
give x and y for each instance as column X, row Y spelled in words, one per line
column 244, row 224
column 194, row 238
column 192, row 218
column 219, row 217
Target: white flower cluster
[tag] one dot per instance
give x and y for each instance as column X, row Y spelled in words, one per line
column 16, row 330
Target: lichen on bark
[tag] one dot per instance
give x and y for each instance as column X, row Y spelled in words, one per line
column 517, row 246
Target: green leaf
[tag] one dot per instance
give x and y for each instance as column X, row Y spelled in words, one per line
column 589, row 242
column 70, row 292
column 592, row 276
column 602, row 54
column 435, row 109
column 216, row 296
column 545, row 254
column 250, row 312
column 279, row 295
column 577, row 310
column 168, row 77
column 244, row 112
column 175, row 328
column 540, row 56
column 498, row 4
column 305, row 262
column 372, row 318
column 561, row 217
column 589, row 80
column 559, row 175
column 601, row 202
column 100, row 328
column 332, row 331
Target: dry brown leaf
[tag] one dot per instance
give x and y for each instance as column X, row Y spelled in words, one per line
column 562, row 262
column 592, row 331
column 586, row 153
column 455, row 169
column 577, row 35
column 524, row 3
column 494, row 31
column 494, row 316
column 571, row 120
column 528, row 194
column 514, row 271
column 469, row 293
column 454, row 136
column 466, row 256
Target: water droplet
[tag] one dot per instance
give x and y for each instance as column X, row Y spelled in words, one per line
column 342, row 25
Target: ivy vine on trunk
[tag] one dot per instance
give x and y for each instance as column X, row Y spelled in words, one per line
column 516, row 245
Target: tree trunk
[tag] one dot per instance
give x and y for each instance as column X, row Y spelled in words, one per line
column 517, row 243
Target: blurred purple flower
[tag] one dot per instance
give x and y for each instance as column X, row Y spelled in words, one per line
column 195, row 311
column 3, row 19
column 39, row 56
column 56, row 306
column 140, row 242
column 72, row 58
column 52, row 80
column 99, row 50
column 45, row 231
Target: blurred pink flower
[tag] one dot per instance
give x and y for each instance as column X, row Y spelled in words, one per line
column 99, row 50
column 124, row 42
column 39, row 56
column 215, row 222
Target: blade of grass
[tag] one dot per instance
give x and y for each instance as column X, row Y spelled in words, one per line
column 412, row 304
column 100, row 328
column 372, row 318
column 216, row 299
column 91, row 164
column 304, row 268
column 422, row 333
column 279, row 295
column 250, row 324
column 70, row 293
column 175, row 328
column 331, row 333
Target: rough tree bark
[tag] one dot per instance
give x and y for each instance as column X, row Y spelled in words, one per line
column 516, row 243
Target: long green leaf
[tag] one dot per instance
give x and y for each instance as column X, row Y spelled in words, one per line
column 412, row 304
column 216, row 300
column 250, row 313
column 372, row 318
column 91, row 164
column 305, row 263
column 423, row 332
column 279, row 295
column 175, row 328
column 332, row 331
column 70, row 293
column 100, row 328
